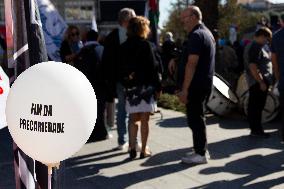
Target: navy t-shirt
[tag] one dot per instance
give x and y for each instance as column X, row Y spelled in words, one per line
column 260, row 55
column 201, row 42
column 278, row 48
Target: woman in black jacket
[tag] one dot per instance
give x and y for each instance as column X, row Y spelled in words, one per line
column 140, row 77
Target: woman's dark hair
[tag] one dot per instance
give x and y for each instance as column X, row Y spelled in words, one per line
column 68, row 32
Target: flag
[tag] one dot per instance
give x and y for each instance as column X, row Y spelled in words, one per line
column 53, row 27
column 4, row 91
column 153, row 15
column 26, row 47
column 94, row 23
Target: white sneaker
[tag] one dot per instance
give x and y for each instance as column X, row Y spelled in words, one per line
column 123, row 147
column 188, row 154
column 194, row 159
column 109, row 136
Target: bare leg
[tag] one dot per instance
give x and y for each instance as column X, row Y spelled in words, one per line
column 144, row 130
column 133, row 128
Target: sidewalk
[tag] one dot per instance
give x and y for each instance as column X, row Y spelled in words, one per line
column 237, row 161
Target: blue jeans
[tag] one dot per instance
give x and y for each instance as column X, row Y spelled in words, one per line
column 121, row 116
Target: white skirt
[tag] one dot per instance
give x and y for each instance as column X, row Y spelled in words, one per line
column 140, row 99
column 142, row 107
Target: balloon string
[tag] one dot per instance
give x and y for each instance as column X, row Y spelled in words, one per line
column 49, row 181
column 49, row 176
column 50, row 166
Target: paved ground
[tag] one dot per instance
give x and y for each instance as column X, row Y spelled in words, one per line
column 237, row 161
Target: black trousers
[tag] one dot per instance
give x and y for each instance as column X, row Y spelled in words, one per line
column 100, row 132
column 196, row 120
column 257, row 99
column 282, row 113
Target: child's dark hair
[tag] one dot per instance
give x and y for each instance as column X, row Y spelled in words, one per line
column 263, row 31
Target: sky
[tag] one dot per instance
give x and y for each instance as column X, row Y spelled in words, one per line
column 165, row 6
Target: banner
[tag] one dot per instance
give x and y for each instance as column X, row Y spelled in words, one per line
column 94, row 23
column 26, row 47
column 53, row 27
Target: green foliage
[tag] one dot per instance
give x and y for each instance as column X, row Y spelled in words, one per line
column 209, row 11
column 172, row 102
column 208, row 8
column 231, row 13
column 228, row 13
column 174, row 23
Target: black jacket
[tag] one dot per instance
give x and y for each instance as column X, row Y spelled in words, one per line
column 137, row 59
column 110, row 63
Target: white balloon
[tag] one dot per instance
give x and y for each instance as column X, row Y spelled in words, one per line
column 56, row 93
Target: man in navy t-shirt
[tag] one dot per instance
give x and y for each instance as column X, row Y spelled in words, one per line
column 258, row 72
column 199, row 62
column 278, row 67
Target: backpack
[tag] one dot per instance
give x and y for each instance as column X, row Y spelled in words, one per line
column 87, row 62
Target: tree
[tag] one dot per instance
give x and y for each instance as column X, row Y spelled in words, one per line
column 174, row 23
column 232, row 13
column 209, row 11
column 215, row 15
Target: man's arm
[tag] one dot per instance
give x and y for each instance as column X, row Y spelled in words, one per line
column 275, row 66
column 189, row 73
column 253, row 58
column 257, row 76
column 172, row 66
